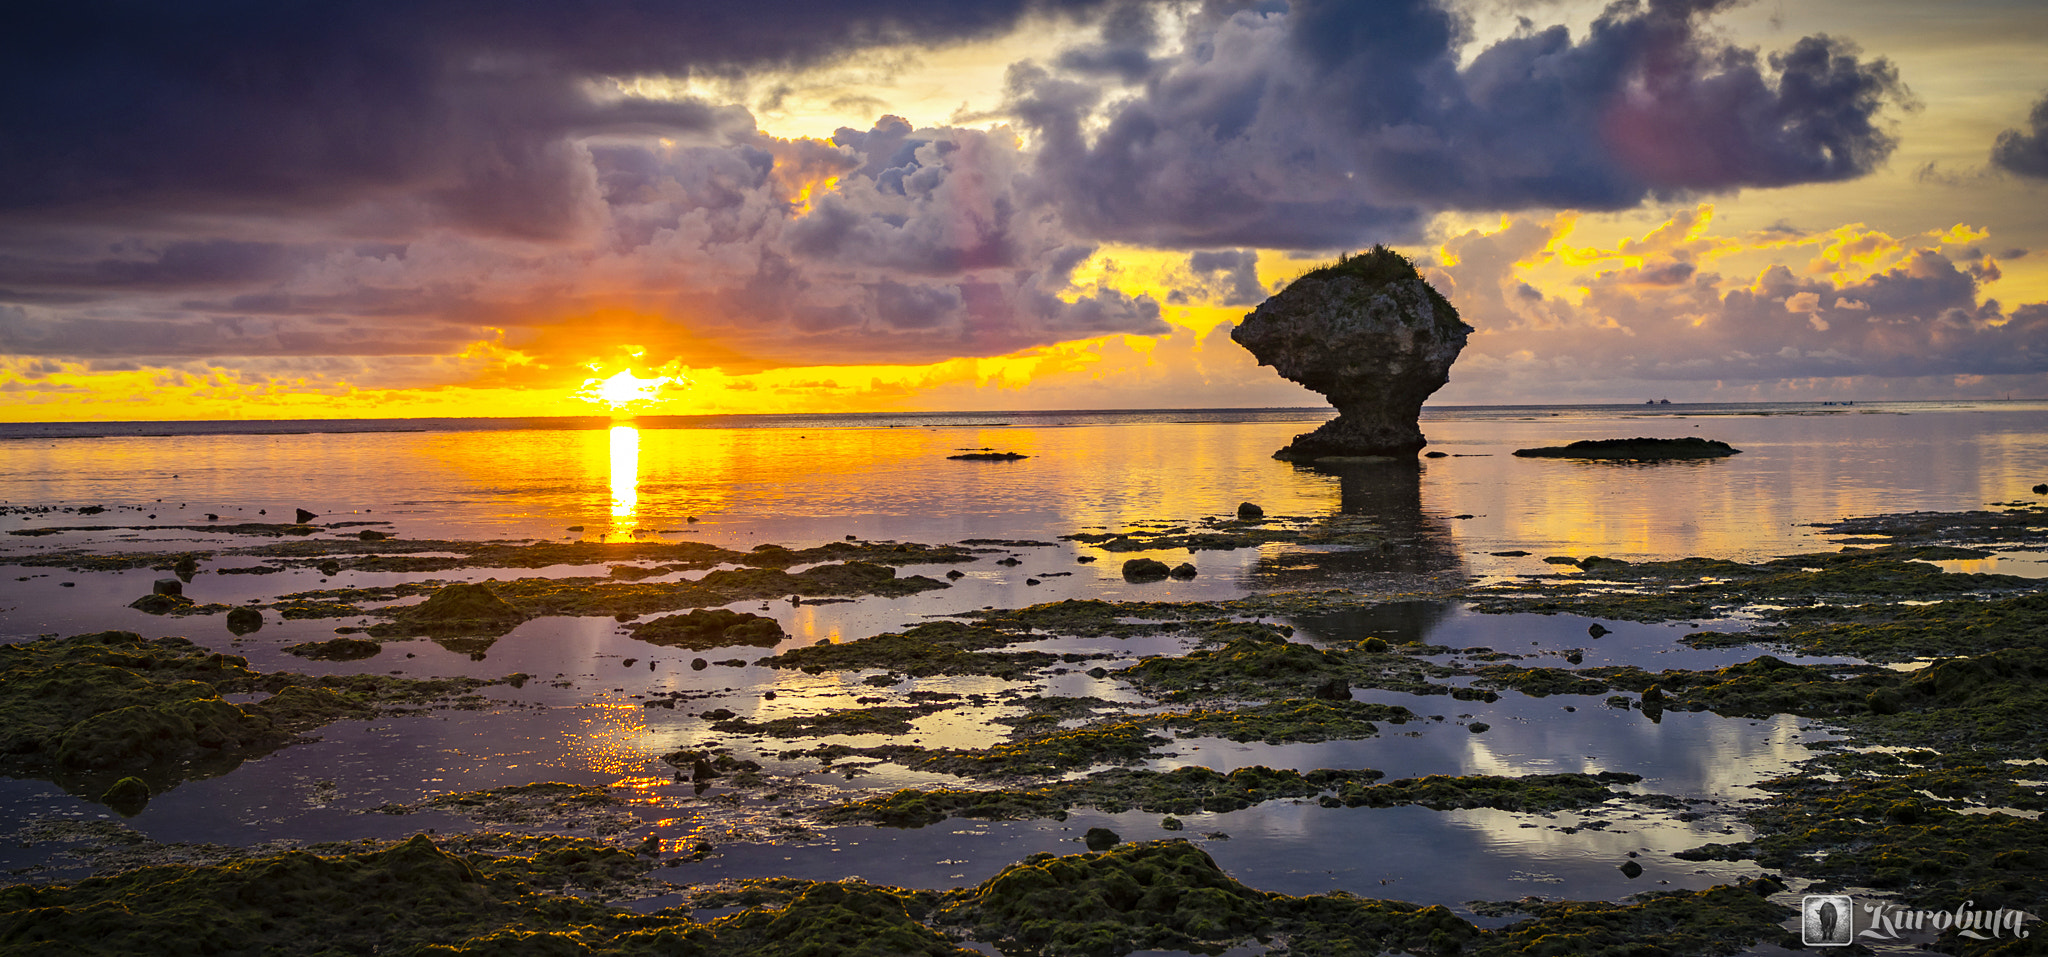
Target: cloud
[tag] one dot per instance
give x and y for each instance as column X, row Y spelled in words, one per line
column 1231, row 274
column 1326, row 124
column 1916, row 315
column 2025, row 153
column 440, row 111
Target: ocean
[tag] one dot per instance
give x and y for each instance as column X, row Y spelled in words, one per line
column 798, row 481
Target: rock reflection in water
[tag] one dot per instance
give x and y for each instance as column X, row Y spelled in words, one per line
column 1389, row 492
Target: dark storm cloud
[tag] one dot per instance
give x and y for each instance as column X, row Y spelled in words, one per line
column 1330, row 123
column 2025, row 153
column 469, row 109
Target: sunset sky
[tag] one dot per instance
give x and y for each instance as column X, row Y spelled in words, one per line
column 449, row 207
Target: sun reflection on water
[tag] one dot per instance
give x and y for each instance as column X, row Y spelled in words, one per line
column 625, row 473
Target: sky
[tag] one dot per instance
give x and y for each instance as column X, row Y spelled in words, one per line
column 328, row 209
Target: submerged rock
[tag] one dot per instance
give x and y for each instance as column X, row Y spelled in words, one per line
column 1247, row 512
column 1370, row 334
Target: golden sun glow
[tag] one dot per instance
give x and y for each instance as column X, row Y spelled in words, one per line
column 623, row 390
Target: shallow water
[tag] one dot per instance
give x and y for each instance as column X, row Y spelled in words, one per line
column 583, row 719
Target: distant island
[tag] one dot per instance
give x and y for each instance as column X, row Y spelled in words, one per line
column 1634, row 449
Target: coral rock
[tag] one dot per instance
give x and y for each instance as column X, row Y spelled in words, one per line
column 1371, row 335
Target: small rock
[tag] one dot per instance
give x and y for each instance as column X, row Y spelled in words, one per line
column 1631, row 870
column 1598, row 630
column 1011, row 561
column 1436, row 455
column 1170, row 823
column 1101, row 839
column 127, row 796
column 1032, row 581
column 1479, row 727
column 242, row 621
column 372, row 536
column 699, row 664
column 1145, row 570
column 1247, row 512
column 304, row 516
column 1183, row 571
column 956, row 574
column 1084, row 559
column 1511, row 553
column 168, row 586
column 330, row 568
column 1335, row 689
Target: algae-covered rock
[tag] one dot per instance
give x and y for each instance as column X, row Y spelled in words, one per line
column 87, row 710
column 846, row 918
column 242, row 621
column 463, row 605
column 1145, row 570
column 1159, row 895
column 127, row 796
column 1535, row 792
column 335, row 649
column 1370, row 334
column 409, row 898
column 709, row 628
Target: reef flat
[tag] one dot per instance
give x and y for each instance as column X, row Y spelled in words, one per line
column 733, row 707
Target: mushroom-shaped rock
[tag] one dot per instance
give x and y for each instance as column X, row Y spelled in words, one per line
column 1371, row 335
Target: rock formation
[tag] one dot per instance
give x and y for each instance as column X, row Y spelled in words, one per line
column 1371, row 335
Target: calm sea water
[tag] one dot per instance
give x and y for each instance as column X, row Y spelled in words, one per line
column 806, row 480
column 814, row 478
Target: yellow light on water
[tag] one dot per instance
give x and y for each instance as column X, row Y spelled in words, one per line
column 625, row 471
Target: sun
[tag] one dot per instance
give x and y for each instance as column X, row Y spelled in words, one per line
column 623, row 390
